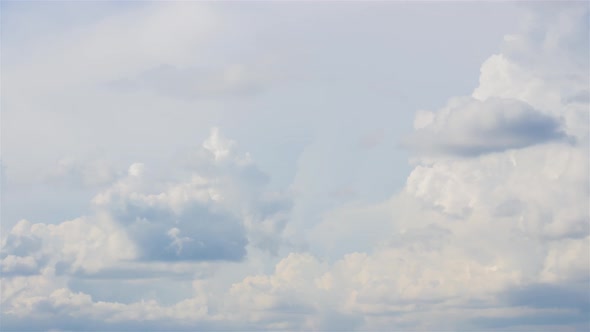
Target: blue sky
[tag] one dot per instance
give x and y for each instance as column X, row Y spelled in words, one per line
column 294, row 166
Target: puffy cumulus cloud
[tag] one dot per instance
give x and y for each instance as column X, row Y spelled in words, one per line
column 60, row 308
column 140, row 225
column 533, row 92
column 212, row 216
column 36, row 260
column 404, row 287
column 529, row 206
column 470, row 127
column 544, row 183
column 475, row 241
column 271, row 299
column 478, row 240
column 83, row 244
column 530, row 203
column 523, row 209
column 184, row 221
column 437, row 270
column 545, row 65
column 558, row 95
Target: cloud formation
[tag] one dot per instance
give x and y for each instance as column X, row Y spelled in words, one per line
column 489, row 231
column 469, row 127
column 210, row 216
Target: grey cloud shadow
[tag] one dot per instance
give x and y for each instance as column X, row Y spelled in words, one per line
column 58, row 320
column 576, row 296
column 209, row 234
column 573, row 299
column 509, row 124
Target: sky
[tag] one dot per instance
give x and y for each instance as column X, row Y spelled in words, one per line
column 314, row 166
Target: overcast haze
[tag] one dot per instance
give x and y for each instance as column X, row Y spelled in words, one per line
column 321, row 166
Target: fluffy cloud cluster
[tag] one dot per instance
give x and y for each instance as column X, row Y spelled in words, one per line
column 211, row 216
column 491, row 230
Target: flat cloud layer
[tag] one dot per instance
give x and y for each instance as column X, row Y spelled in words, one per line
column 490, row 230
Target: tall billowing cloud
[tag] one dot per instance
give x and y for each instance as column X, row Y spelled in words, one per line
column 492, row 228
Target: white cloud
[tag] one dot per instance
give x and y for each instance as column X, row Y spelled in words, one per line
column 209, row 216
column 469, row 127
column 490, row 230
column 220, row 147
column 212, row 215
column 467, row 231
column 85, row 244
column 141, row 225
